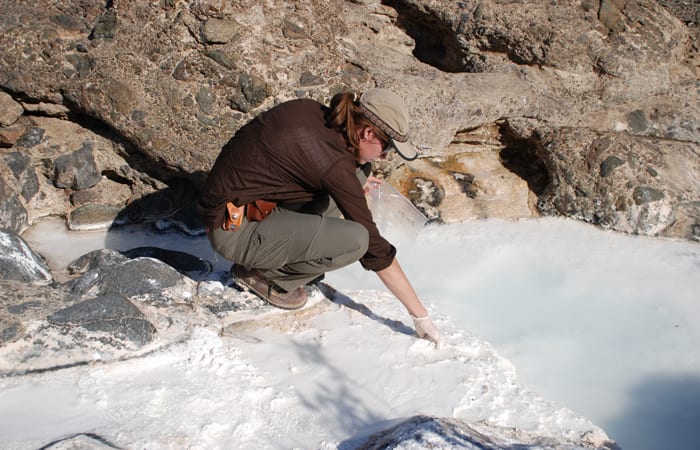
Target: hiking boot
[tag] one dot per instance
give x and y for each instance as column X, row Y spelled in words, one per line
column 268, row 290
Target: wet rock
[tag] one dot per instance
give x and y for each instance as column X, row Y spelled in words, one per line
column 92, row 216
column 19, row 263
column 109, row 313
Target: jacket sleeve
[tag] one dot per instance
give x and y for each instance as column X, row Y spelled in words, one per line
column 341, row 183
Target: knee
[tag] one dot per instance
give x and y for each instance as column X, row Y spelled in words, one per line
column 361, row 239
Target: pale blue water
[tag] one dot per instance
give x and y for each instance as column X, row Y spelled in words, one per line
column 606, row 324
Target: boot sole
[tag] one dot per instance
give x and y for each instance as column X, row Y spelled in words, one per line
column 272, row 301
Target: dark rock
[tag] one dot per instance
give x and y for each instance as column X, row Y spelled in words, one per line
column 22, row 307
column 637, row 121
column 645, row 194
column 254, row 88
column 66, row 22
column 131, row 278
column 221, row 58
column 18, row 262
column 82, row 64
column 10, row 332
column 205, row 99
column 20, row 165
column 82, row 441
column 185, row 220
column 106, row 26
column 438, row 432
column 189, row 265
column 30, row 138
column 77, row 170
column 609, row 164
column 102, row 258
column 24, row 303
column 109, row 313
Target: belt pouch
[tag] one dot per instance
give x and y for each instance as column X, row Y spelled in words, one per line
column 259, row 209
column 234, row 217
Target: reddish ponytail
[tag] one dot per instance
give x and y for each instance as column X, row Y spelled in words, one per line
column 345, row 117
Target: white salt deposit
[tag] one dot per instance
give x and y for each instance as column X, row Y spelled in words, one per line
column 604, row 324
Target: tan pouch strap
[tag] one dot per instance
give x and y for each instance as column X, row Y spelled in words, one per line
column 234, row 217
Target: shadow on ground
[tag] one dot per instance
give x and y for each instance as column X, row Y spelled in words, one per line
column 662, row 412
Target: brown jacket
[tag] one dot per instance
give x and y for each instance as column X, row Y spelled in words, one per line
column 288, row 155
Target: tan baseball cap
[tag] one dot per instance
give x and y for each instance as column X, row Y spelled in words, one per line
column 387, row 111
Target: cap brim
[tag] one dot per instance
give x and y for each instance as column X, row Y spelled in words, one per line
column 406, row 150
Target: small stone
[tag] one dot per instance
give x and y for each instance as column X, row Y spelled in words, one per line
column 205, row 99
column 609, row 164
column 10, row 110
column 106, row 27
column 216, row 31
column 645, row 194
column 637, row 121
column 292, row 30
column 92, row 216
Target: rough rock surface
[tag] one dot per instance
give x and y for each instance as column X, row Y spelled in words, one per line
column 150, row 92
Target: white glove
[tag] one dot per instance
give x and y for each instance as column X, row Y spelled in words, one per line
column 425, row 328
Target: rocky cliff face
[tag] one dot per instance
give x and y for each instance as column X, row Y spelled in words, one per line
column 587, row 109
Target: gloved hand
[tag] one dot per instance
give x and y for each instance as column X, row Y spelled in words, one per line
column 425, row 328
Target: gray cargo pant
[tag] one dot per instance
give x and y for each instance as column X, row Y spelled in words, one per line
column 291, row 248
